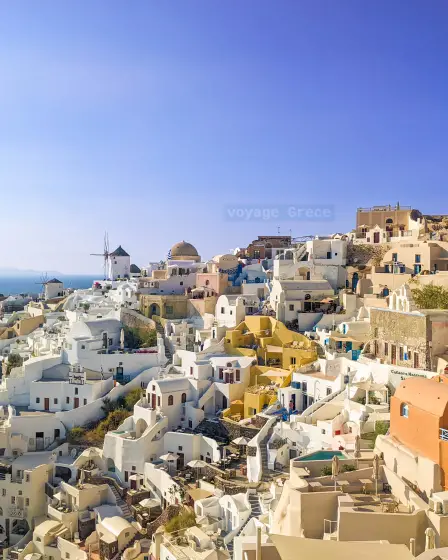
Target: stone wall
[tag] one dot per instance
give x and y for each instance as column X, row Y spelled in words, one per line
column 400, row 329
column 135, row 320
column 228, row 487
column 170, row 512
column 235, row 430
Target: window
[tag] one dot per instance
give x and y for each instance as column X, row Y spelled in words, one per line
column 291, row 307
column 328, row 391
column 67, row 554
column 404, row 410
column 191, row 370
column 418, row 258
column 184, row 398
column 170, row 400
column 27, row 478
column 134, row 468
column 27, row 501
column 55, row 401
column 85, row 401
column 386, row 349
column 293, row 361
column 222, row 310
column 158, row 401
column 83, row 346
column 57, row 433
column 126, row 534
column 375, row 332
column 231, row 312
column 37, row 400
column 181, row 283
column 304, row 387
column 395, row 257
column 76, row 390
column 328, row 254
column 416, row 359
column 153, row 388
column 221, row 373
column 400, row 352
column 169, row 309
column 13, row 500
column 3, row 492
column 237, row 375
column 417, row 268
column 67, row 400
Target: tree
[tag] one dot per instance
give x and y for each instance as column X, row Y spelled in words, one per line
column 430, row 297
column 184, row 520
column 76, row 434
column 108, row 406
column 14, row 360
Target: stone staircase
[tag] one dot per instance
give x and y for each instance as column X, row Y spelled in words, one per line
column 169, row 355
column 265, row 476
column 255, row 512
column 127, row 514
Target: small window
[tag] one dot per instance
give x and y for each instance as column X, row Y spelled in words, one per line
column 27, row 478
column 293, row 361
column 400, row 352
column 13, row 500
column 237, row 375
column 83, row 346
column 76, row 390
column 418, row 258
column 231, row 312
column 126, row 534
column 170, row 400
column 67, row 554
column 180, row 447
column 386, row 349
column 404, row 410
column 3, row 492
column 67, row 400
column 134, row 468
column 291, row 307
column 328, row 391
column 158, row 401
column 395, row 257
column 181, row 283
column 55, row 401
column 27, row 501
column 85, row 401
column 220, row 373
column 222, row 310
column 184, row 398
column 37, row 400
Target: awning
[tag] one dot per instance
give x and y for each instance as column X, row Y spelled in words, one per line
column 199, row 494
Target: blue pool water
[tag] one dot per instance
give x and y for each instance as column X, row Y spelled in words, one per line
column 322, row 456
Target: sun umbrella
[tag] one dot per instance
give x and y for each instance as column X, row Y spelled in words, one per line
column 169, row 458
column 122, row 339
column 376, row 471
column 197, row 464
column 335, row 469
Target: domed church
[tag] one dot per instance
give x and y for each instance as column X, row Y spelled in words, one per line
column 184, row 251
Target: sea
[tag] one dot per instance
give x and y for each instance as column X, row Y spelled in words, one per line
column 11, row 285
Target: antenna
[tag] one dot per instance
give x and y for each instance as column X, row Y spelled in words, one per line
column 278, row 230
column 105, row 254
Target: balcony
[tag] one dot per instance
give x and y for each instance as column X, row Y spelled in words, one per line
column 443, row 434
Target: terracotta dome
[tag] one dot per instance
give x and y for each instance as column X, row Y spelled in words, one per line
column 183, row 249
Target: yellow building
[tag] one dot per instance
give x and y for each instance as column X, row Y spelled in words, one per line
column 279, row 352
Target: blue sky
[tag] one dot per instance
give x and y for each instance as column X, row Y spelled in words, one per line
column 148, row 118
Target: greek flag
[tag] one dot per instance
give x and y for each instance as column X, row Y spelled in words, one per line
column 168, row 257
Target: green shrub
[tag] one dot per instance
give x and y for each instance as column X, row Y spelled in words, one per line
column 14, row 360
column 348, row 468
column 76, row 434
column 132, row 398
column 326, row 471
column 184, row 520
column 381, row 428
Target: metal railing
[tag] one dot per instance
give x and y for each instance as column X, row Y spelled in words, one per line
column 443, row 434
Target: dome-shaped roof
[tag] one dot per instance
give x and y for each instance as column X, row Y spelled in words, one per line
column 184, row 249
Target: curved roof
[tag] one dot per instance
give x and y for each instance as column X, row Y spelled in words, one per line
column 426, row 394
column 184, row 249
column 116, row 525
column 134, row 269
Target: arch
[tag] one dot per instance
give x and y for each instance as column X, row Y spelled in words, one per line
column 389, row 221
column 110, row 464
column 404, row 410
column 140, row 427
column 184, row 398
column 289, row 255
column 154, row 309
column 229, row 364
column 170, row 400
column 207, row 282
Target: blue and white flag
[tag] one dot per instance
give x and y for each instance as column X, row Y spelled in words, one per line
column 168, row 257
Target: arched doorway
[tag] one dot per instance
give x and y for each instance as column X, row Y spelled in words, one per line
column 140, row 427
column 154, row 309
column 355, row 280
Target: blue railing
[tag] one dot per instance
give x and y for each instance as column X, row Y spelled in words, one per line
column 443, row 434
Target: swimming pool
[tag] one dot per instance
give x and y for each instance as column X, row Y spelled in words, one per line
column 322, row 456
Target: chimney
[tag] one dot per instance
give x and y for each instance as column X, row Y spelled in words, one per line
column 258, row 549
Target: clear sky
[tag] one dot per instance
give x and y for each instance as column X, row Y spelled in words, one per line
column 149, row 118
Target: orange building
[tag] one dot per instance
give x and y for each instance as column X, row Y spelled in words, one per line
column 419, row 420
